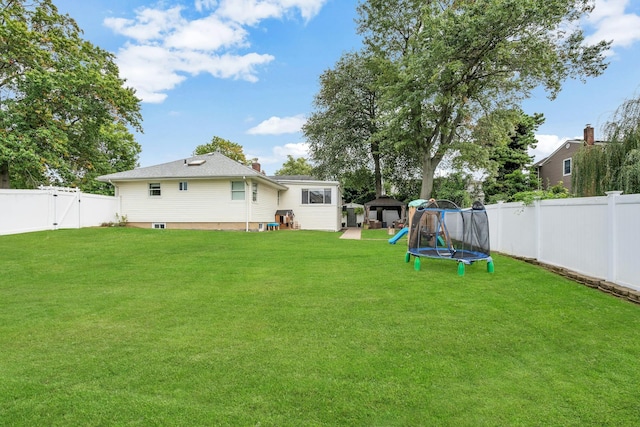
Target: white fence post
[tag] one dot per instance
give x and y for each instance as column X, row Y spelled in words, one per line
column 500, row 225
column 612, row 235
column 538, row 223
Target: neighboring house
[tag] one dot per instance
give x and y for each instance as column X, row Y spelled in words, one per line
column 558, row 166
column 214, row 192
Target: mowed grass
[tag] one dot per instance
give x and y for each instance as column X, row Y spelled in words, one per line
column 118, row 326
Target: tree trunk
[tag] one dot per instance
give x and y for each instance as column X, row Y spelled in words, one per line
column 377, row 172
column 429, row 166
column 4, row 176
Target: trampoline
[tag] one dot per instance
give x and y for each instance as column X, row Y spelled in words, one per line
column 440, row 229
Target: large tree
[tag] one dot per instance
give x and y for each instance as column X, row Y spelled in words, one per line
column 447, row 62
column 510, row 161
column 343, row 130
column 65, row 113
column 614, row 165
column 230, row 149
column 295, row 166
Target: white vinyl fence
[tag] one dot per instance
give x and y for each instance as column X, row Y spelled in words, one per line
column 593, row 236
column 23, row 211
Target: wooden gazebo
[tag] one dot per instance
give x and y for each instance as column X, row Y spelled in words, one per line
column 380, row 205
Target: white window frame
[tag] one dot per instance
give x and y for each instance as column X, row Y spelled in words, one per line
column 236, row 192
column 158, row 225
column 183, row 186
column 254, row 191
column 155, row 189
column 564, row 169
column 326, row 196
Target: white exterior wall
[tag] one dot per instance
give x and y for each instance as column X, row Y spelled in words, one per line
column 594, row 236
column 264, row 210
column 313, row 216
column 204, row 201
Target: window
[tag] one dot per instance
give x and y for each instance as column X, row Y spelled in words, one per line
column 566, row 167
column 154, row 189
column 316, row 196
column 159, row 225
column 237, row 190
column 254, row 191
column 182, row 186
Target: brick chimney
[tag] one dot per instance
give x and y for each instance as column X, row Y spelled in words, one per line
column 255, row 166
column 589, row 138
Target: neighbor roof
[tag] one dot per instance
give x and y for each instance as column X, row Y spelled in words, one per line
column 542, row 162
column 212, row 165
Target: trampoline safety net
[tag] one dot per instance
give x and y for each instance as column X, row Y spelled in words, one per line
column 439, row 228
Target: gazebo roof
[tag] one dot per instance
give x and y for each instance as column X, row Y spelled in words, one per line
column 385, row 201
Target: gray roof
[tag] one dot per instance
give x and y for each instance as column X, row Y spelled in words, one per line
column 541, row 162
column 383, row 201
column 212, row 165
column 293, row 178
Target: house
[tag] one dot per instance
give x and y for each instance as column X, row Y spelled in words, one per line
column 558, row 166
column 214, row 192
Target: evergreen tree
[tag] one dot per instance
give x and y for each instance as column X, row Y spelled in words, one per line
column 511, row 160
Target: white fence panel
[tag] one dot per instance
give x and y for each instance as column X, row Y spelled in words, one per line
column 512, row 237
column 627, row 241
column 574, row 234
column 23, row 211
column 98, row 209
column 594, row 236
column 66, row 209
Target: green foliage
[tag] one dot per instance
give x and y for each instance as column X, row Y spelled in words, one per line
column 445, row 64
column 343, row 132
column 65, row 113
column 456, row 188
column 293, row 166
column 230, row 149
column 558, row 191
column 589, row 171
column 180, row 327
column 615, row 165
column 121, row 221
column 358, row 186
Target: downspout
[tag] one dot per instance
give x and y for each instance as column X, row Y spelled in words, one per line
column 246, row 197
column 116, row 194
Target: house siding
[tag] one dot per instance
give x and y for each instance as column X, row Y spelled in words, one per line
column 313, row 216
column 264, row 210
column 206, row 204
column 204, row 201
column 552, row 171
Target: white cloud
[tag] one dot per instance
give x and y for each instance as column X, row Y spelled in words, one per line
column 205, row 4
column 150, row 70
column 278, row 126
column 611, row 22
column 279, row 155
column 208, row 34
column 250, row 12
column 149, row 24
column 299, row 149
column 165, row 48
column 547, row 144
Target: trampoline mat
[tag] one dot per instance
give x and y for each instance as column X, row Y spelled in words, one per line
column 444, row 253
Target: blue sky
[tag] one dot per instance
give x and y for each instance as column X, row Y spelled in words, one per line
column 247, row 70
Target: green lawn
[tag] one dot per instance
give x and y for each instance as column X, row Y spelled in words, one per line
column 118, row 326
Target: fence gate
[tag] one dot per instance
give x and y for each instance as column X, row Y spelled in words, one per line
column 65, row 207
